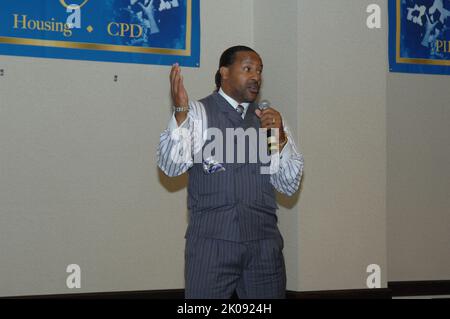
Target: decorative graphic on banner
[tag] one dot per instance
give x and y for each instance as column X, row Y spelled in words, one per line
column 419, row 36
column 137, row 31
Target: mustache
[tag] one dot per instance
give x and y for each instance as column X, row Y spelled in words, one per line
column 254, row 84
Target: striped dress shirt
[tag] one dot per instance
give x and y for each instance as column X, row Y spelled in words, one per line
column 173, row 160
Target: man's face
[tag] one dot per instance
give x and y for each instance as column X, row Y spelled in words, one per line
column 242, row 79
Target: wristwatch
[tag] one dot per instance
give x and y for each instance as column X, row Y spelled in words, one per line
column 178, row 109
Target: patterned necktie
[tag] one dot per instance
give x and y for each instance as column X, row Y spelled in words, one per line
column 240, row 109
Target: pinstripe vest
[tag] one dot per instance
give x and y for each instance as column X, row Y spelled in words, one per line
column 237, row 204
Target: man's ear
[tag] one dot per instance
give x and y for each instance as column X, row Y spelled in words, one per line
column 224, row 72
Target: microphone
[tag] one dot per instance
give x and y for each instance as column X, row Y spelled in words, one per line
column 272, row 145
column 264, row 104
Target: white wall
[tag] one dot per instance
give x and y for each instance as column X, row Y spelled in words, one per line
column 79, row 182
column 418, row 177
column 326, row 71
column 342, row 128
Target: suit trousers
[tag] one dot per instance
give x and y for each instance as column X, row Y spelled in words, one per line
column 215, row 269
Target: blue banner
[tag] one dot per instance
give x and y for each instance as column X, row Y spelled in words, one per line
column 136, row 31
column 419, row 36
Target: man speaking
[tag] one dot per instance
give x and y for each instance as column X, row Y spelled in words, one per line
column 232, row 241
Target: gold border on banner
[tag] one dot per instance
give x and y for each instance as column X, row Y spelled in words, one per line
column 65, row 5
column 110, row 47
column 399, row 59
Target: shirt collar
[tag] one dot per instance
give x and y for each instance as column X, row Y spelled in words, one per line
column 233, row 102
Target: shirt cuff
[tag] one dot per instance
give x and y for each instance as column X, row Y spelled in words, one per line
column 286, row 153
column 173, row 125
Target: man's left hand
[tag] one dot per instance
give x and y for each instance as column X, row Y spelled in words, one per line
column 271, row 118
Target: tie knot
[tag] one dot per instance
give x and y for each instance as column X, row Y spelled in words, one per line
column 240, row 109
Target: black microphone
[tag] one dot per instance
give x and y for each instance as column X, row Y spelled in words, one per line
column 272, row 145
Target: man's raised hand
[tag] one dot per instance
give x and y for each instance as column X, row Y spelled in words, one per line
column 178, row 92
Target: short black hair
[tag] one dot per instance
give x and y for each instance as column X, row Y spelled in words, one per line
column 227, row 58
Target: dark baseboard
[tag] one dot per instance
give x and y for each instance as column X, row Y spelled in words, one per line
column 419, row 288
column 382, row 293
column 395, row 289
column 146, row 294
column 179, row 294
